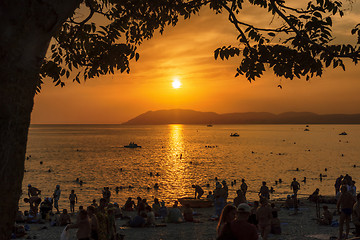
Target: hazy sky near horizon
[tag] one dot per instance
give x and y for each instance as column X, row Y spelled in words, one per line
column 186, row 52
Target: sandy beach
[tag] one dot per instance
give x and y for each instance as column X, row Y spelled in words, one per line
column 294, row 226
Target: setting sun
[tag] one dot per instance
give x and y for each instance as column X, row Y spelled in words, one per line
column 176, row 83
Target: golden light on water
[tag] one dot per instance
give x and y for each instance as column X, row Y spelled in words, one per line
column 176, row 165
column 176, row 141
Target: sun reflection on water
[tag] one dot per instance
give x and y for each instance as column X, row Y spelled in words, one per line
column 175, row 164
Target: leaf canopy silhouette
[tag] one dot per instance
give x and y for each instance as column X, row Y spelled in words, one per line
column 106, row 38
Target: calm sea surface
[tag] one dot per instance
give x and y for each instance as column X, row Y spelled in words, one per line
column 186, row 154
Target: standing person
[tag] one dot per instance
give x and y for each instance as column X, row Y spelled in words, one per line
column 163, row 211
column 34, row 204
column 198, row 191
column 338, row 184
column 156, row 207
column 356, row 215
column 252, row 218
column 106, row 194
column 33, row 191
column 295, row 186
column 56, row 197
column 219, row 201
column 223, row 229
column 94, row 224
column 73, row 200
column 240, row 198
column 264, row 191
column 225, row 190
column 264, row 216
column 103, row 220
column 243, row 187
column 352, row 188
column 240, row 227
column 83, row 226
column 345, row 203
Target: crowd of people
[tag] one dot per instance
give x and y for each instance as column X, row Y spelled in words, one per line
column 237, row 218
column 241, row 220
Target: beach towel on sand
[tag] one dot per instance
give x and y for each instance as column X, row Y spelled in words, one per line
column 65, row 235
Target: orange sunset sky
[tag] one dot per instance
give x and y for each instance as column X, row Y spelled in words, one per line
column 186, row 52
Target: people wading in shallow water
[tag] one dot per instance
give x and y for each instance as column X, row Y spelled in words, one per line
column 56, row 197
column 73, row 200
column 264, row 191
column 295, row 186
column 243, row 187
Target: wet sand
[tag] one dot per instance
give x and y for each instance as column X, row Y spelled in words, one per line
column 300, row 226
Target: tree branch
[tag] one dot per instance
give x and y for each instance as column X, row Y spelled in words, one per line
column 91, row 14
column 295, row 9
column 232, row 19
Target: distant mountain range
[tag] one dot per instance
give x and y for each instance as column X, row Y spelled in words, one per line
column 180, row 116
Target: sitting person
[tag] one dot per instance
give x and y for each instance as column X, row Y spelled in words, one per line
column 210, row 196
column 117, row 211
column 138, row 220
column 129, row 205
column 20, row 217
column 45, row 207
column 31, row 217
column 289, row 202
column 64, row 218
column 326, row 217
column 188, row 213
column 314, row 197
column 150, row 217
column 175, row 215
column 18, row 231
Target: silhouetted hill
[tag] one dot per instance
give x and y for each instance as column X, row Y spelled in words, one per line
column 180, row 116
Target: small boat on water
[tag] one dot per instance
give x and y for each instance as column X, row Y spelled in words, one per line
column 343, row 133
column 196, row 203
column 132, row 145
column 209, row 125
column 234, row 135
column 306, row 130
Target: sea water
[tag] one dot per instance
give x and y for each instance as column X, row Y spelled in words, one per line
column 177, row 156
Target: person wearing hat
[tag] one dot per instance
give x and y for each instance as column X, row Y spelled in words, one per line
column 56, row 196
column 240, row 228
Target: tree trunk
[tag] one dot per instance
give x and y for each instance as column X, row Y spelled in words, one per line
column 26, row 30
